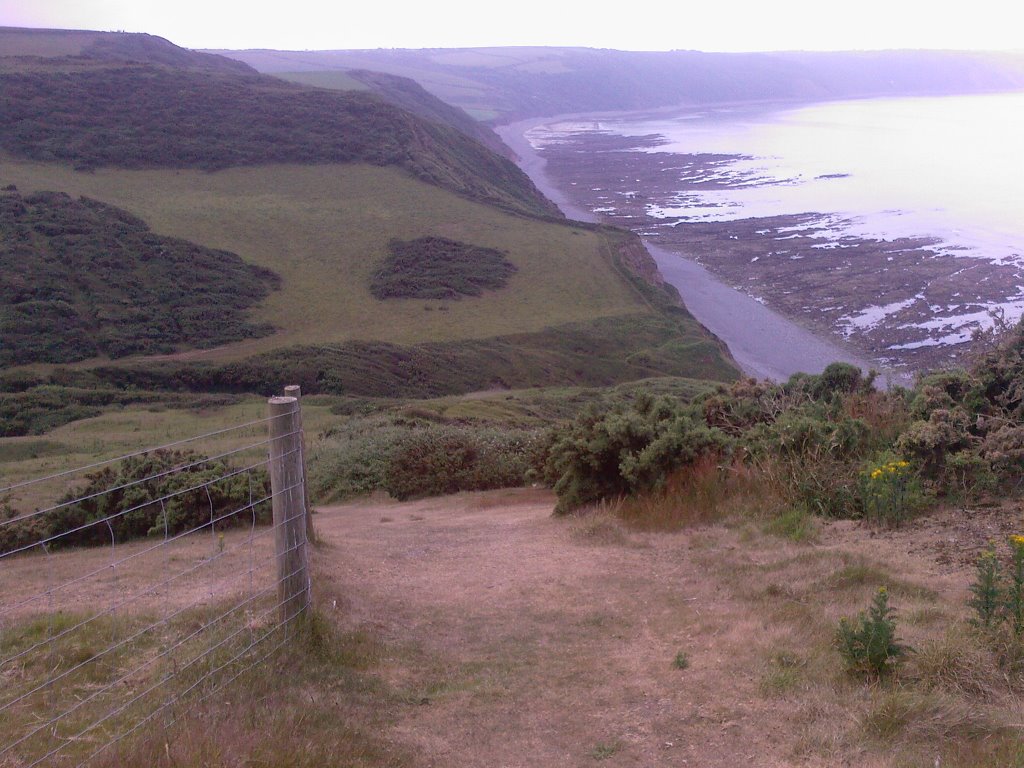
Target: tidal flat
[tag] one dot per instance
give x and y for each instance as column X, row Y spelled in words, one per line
column 909, row 303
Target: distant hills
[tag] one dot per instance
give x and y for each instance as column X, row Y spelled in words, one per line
column 504, row 84
column 109, row 107
column 144, row 160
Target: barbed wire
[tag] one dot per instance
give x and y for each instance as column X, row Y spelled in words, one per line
column 183, row 670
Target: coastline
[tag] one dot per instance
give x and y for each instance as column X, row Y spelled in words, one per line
column 763, row 342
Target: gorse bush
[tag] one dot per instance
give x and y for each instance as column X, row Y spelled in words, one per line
column 627, row 451
column 830, row 444
column 422, row 458
column 195, row 492
column 446, row 459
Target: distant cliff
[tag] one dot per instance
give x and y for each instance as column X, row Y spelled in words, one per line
column 502, row 84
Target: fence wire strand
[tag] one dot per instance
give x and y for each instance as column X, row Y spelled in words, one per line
column 147, row 664
column 175, row 444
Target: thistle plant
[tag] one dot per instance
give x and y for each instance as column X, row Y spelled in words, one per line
column 986, row 590
column 868, row 644
column 886, row 489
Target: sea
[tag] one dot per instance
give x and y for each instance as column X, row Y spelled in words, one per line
column 949, row 169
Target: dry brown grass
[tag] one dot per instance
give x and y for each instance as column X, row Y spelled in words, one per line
column 708, row 491
column 477, row 630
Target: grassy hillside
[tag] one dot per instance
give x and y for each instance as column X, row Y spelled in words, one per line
column 89, row 46
column 571, row 313
column 83, row 279
column 325, row 230
column 315, row 185
column 405, row 93
column 510, row 83
column 125, row 114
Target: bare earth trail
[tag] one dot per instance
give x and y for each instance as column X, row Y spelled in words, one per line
column 533, row 641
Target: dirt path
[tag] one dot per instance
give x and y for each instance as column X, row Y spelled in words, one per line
column 532, row 641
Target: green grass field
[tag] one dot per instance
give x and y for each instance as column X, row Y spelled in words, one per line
column 338, row 81
column 324, row 229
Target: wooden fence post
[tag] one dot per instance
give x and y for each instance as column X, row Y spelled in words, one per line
column 294, row 390
column 286, row 485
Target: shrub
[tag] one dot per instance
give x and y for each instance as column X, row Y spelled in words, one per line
column 604, row 455
column 929, row 442
column 439, row 268
column 868, row 645
column 417, row 458
column 447, row 459
column 195, row 490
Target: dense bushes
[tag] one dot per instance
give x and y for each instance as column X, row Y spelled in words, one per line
column 439, row 268
column 196, row 492
column 627, row 451
column 37, row 408
column 420, row 458
column 82, row 279
column 830, row 444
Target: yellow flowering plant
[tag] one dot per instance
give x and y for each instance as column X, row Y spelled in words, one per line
column 890, row 491
column 997, row 597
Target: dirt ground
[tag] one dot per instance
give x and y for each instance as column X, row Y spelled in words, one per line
column 511, row 638
column 553, row 642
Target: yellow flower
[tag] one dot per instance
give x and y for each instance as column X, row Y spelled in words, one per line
column 1017, row 540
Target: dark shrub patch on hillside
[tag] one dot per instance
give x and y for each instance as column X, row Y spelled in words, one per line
column 36, row 409
column 438, row 268
column 82, row 278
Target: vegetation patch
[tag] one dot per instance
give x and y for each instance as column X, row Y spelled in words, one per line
column 82, row 278
column 39, row 408
column 439, row 268
column 123, row 502
column 411, row 458
column 581, row 354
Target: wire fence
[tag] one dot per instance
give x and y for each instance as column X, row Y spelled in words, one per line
column 148, row 583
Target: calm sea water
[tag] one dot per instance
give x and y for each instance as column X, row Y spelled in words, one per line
column 951, row 168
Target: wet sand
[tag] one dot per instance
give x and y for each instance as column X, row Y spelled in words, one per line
column 764, row 343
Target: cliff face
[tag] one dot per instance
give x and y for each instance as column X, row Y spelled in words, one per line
column 638, row 260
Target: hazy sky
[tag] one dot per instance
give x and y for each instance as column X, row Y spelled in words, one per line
column 710, row 25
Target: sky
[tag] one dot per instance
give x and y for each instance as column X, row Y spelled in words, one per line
column 654, row 25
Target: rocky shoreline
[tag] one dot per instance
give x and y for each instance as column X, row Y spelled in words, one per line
column 763, row 342
column 903, row 304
